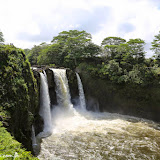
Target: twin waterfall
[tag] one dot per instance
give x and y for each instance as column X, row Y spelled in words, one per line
column 63, row 97
column 73, row 132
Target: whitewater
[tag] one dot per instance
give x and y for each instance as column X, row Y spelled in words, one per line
column 86, row 135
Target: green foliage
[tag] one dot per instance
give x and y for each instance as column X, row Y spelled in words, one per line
column 51, row 54
column 112, row 41
column 116, row 48
column 116, row 60
column 156, row 47
column 10, row 148
column 72, row 37
column 137, row 50
column 18, row 93
column 52, row 65
column 73, row 44
column 92, row 69
column 33, row 54
column 92, row 50
column 26, row 51
column 1, row 38
column 135, row 76
column 124, row 57
column 110, row 45
column 68, row 49
column 111, row 70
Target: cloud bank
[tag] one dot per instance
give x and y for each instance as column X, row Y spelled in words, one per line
column 25, row 23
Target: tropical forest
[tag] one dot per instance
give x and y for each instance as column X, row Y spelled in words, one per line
column 74, row 99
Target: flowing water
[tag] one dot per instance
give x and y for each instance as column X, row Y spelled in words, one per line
column 81, row 93
column 82, row 135
column 62, row 88
column 96, row 136
column 45, row 111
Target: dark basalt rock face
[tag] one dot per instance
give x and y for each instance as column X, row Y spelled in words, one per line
column 73, row 86
column 52, row 87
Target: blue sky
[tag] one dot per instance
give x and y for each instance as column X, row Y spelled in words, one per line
column 28, row 22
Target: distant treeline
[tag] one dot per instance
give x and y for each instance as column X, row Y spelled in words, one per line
column 116, row 59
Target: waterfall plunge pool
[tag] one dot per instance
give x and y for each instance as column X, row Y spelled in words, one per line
column 95, row 136
column 81, row 134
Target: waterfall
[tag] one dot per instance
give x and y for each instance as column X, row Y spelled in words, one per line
column 45, row 111
column 62, row 88
column 35, row 145
column 33, row 137
column 81, row 93
column 90, row 135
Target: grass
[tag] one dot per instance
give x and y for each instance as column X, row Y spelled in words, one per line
column 10, row 149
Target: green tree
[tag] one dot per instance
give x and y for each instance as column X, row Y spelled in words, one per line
column 26, row 51
column 137, row 50
column 1, row 38
column 35, row 52
column 112, row 41
column 51, row 55
column 112, row 70
column 135, row 76
column 156, row 47
column 92, row 50
column 18, row 92
column 110, row 44
column 124, row 57
column 73, row 44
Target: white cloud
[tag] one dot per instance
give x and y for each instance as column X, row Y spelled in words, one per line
column 23, row 22
column 143, row 14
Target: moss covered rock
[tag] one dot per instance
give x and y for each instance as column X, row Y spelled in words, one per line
column 18, row 93
column 131, row 99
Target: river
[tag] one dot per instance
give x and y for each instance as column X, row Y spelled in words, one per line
column 88, row 135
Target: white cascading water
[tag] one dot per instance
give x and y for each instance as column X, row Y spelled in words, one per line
column 81, row 93
column 62, row 88
column 91, row 135
column 33, row 137
column 45, row 111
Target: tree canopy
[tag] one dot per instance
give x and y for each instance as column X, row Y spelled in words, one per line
column 1, row 37
column 116, row 59
column 137, row 49
column 67, row 49
column 156, row 46
column 112, row 41
column 33, row 54
column 73, row 42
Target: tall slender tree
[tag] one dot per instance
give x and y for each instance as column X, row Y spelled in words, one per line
column 136, row 48
column 111, row 44
column 156, row 46
column 1, row 37
column 73, row 43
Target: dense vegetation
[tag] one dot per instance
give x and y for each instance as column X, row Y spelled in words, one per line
column 18, row 99
column 117, row 60
column 10, row 148
column 117, row 75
